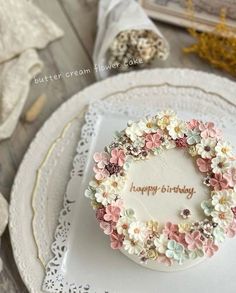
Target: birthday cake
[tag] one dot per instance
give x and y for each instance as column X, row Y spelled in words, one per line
column 164, row 191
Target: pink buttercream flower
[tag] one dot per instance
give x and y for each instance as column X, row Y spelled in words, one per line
column 116, row 240
column 210, row 248
column 102, row 159
column 231, row 230
column 208, row 130
column 181, row 142
column 194, row 240
column 171, row 230
column 118, row 203
column 117, row 157
column 180, row 238
column 234, row 211
column 100, row 214
column 112, row 213
column 193, row 124
column 100, row 174
column 107, row 227
column 218, row 182
column 153, row 140
column 230, row 176
column 165, row 260
column 204, row 165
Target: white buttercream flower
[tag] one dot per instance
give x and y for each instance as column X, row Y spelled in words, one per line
column 104, row 194
column 165, row 118
column 206, row 148
column 220, row 164
column 223, row 219
column 132, row 246
column 116, row 183
column 223, row 200
column 133, row 131
column 161, row 243
column 224, row 149
column 137, row 231
column 148, row 125
column 122, row 225
column 177, row 129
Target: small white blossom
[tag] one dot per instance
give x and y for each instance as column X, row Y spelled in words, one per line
column 206, row 148
column 137, row 231
column 104, row 194
column 177, row 129
column 223, row 219
column 223, row 200
column 132, row 246
column 220, row 164
column 161, row 243
column 224, row 149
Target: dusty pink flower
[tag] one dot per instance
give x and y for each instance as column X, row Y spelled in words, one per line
column 118, row 203
column 231, row 230
column 208, row 130
column 117, row 157
column 171, row 230
column 192, row 124
column 112, row 213
column 230, row 175
column 100, row 174
column 102, row 159
column 181, row 142
column 210, row 248
column 165, row 260
column 204, row 165
column 100, row 214
column 234, row 212
column 218, row 182
column 116, row 240
column 107, row 227
column 153, row 140
column 180, row 238
column 194, row 240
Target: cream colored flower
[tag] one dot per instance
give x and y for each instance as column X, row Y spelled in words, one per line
column 137, row 231
column 177, row 129
column 133, row 131
column 224, row 149
column 223, row 219
column 148, row 125
column 122, row 225
column 104, row 194
column 165, row 118
column 132, row 246
column 161, row 243
column 206, row 148
column 223, row 200
column 116, row 183
column 184, row 227
column 220, row 164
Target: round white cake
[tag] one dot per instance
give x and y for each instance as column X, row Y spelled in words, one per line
column 164, row 191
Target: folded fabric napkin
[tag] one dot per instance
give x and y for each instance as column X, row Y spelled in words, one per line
column 23, row 28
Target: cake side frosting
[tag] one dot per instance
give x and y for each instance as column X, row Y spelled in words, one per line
column 164, row 190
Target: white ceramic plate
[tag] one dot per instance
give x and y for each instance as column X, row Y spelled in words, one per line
column 21, row 213
column 80, row 247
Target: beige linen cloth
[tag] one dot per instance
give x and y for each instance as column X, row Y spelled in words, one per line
column 23, row 28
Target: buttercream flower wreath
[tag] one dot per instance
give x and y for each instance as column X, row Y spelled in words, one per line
column 170, row 243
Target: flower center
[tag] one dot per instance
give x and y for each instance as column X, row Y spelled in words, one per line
column 224, row 150
column 220, row 165
column 222, row 216
column 105, row 194
column 114, row 184
column 125, row 226
column 177, row 129
column 136, row 230
column 223, row 200
column 149, row 125
column 207, row 148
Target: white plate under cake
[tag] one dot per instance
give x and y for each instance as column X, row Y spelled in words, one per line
column 164, row 191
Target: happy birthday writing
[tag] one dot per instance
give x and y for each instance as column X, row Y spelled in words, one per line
column 152, row 190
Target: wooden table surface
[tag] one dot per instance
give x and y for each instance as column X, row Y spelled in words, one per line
column 74, row 51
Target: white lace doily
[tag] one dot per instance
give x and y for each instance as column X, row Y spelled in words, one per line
column 21, row 213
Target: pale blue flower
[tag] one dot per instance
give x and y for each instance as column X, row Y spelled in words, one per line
column 193, row 137
column 219, row 235
column 207, row 207
column 175, row 251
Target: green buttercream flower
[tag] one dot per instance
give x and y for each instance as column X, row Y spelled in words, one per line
column 219, row 235
column 207, row 207
column 196, row 253
column 193, row 137
column 175, row 251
